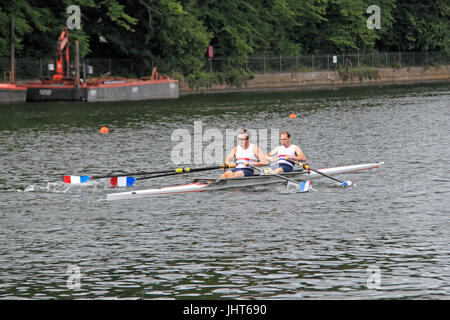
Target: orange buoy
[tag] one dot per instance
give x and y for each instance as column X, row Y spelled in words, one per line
column 292, row 116
column 104, row 130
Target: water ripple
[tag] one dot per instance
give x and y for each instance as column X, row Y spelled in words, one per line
column 261, row 243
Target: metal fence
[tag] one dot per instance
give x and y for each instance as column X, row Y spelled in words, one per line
column 28, row 68
column 303, row 63
column 39, row 68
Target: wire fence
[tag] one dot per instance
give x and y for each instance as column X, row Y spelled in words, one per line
column 28, row 68
column 329, row 62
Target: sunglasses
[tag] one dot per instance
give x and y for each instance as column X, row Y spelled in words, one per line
column 242, row 139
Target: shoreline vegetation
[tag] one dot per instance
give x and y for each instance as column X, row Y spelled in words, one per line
column 223, row 73
column 228, row 42
column 319, row 80
column 241, row 80
column 360, row 73
column 234, row 78
column 237, row 78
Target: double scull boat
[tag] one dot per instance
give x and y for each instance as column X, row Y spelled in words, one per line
column 202, row 184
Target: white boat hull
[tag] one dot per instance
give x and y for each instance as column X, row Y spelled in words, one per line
column 220, row 184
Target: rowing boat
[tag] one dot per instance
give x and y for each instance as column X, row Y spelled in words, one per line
column 200, row 185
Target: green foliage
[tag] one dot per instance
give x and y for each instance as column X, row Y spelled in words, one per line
column 420, row 26
column 183, row 40
column 174, row 34
column 235, row 26
column 197, row 80
column 232, row 78
column 360, row 73
column 235, row 77
column 345, row 29
column 27, row 18
column 115, row 12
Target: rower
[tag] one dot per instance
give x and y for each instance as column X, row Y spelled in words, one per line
column 287, row 151
column 246, row 154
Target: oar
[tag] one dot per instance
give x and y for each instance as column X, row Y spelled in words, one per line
column 125, row 179
column 125, row 176
column 300, row 186
column 307, row 167
column 129, row 174
column 83, row 179
column 129, row 181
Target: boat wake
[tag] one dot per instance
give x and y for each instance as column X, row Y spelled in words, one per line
column 61, row 187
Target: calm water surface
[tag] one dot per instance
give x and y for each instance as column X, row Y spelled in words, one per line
column 258, row 243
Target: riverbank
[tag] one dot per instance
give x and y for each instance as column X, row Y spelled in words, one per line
column 328, row 80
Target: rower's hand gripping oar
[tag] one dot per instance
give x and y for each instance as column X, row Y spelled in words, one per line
column 307, row 167
column 302, row 186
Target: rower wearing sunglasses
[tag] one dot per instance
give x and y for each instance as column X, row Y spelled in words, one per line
column 246, row 155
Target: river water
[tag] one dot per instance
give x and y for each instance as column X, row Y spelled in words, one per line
column 385, row 238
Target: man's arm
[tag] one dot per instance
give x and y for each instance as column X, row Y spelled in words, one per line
column 299, row 155
column 261, row 157
column 230, row 156
column 271, row 153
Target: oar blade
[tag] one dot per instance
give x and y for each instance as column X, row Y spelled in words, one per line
column 76, row 179
column 344, row 184
column 303, row 186
column 348, row 183
column 122, row 181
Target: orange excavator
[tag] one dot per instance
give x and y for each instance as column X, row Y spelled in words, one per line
column 62, row 49
column 62, row 60
column 62, row 53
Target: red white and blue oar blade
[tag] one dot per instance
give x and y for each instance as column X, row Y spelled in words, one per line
column 303, row 186
column 76, row 179
column 346, row 184
column 122, row 181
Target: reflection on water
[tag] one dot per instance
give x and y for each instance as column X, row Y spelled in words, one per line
column 262, row 242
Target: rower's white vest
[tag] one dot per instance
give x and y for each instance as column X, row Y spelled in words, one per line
column 245, row 155
column 283, row 151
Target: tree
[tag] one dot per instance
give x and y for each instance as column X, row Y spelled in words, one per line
column 345, row 28
column 27, row 18
column 419, row 26
column 166, row 34
column 174, row 34
column 236, row 26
